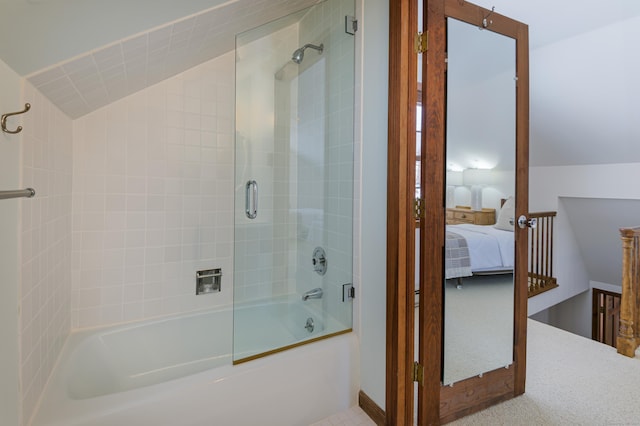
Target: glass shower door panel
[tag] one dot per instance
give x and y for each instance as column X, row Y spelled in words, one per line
column 294, row 180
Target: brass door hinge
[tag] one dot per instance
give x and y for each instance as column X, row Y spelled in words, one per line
column 421, row 42
column 418, row 209
column 418, row 373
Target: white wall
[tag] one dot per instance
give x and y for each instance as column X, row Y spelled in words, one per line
column 596, row 223
column 615, row 181
column 573, row 315
column 10, row 147
column 582, row 116
column 373, row 206
column 546, row 186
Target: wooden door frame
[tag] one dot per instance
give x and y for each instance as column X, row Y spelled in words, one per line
column 474, row 394
column 401, row 159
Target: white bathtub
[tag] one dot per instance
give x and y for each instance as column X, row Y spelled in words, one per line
column 178, row 371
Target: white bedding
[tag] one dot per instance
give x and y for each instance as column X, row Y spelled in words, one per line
column 490, row 249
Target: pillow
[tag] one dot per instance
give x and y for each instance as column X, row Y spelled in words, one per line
column 506, row 214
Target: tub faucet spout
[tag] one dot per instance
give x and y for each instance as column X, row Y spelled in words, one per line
column 316, row 293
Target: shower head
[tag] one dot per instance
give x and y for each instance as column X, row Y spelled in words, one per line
column 298, row 55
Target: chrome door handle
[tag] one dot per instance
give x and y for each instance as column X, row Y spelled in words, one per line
column 523, row 222
column 251, row 199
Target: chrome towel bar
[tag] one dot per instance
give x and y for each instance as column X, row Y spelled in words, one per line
column 27, row 193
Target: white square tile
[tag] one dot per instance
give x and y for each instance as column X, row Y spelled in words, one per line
column 113, row 258
column 152, row 308
column 135, row 239
column 115, row 184
column 136, row 220
column 112, row 295
column 89, row 297
column 46, row 76
column 136, row 187
column 88, row 318
column 184, row 25
column 78, row 64
column 115, row 202
column 154, row 256
column 134, row 256
column 108, row 56
column 134, row 274
column 113, row 277
column 159, row 38
column 132, row 311
column 173, row 254
column 134, row 43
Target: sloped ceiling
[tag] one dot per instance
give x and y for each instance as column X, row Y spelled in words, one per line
column 84, row 54
column 35, row 34
column 584, row 98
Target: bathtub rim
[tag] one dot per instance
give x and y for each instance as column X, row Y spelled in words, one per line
column 75, row 337
column 56, row 408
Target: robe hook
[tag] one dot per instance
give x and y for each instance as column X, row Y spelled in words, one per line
column 3, row 120
column 486, row 23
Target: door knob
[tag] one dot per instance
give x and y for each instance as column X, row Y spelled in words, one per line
column 523, row 222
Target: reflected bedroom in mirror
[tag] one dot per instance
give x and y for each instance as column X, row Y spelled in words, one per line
column 480, row 189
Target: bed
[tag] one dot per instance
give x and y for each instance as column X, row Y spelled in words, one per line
column 480, row 249
column 477, row 249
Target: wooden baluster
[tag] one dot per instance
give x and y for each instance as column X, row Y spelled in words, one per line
column 547, row 245
column 635, row 283
column 626, row 341
column 537, row 264
column 539, row 244
column 550, row 245
column 543, row 235
column 532, row 279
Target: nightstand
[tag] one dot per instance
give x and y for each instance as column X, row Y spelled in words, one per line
column 463, row 214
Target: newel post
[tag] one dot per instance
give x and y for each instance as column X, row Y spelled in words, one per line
column 626, row 341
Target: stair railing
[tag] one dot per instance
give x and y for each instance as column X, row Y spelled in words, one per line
column 541, row 277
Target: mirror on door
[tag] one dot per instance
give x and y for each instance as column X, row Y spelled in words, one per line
column 480, row 190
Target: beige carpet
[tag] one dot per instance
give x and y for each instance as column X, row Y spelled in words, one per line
column 570, row 381
column 478, row 331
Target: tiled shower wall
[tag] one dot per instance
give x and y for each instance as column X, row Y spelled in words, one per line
column 45, row 291
column 153, row 198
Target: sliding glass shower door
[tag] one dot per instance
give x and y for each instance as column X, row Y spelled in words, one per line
column 294, row 180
